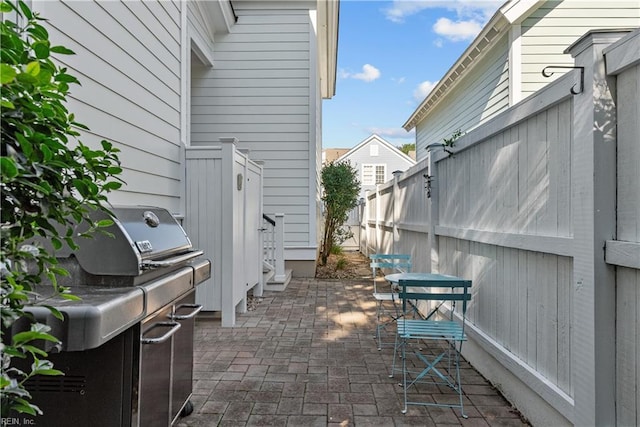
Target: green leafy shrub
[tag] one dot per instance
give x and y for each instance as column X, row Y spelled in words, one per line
column 341, row 188
column 50, row 183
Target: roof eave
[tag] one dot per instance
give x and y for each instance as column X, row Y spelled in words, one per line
column 328, row 21
column 483, row 42
column 509, row 13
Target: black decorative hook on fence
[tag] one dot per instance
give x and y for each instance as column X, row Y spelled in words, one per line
column 428, row 179
column 547, row 73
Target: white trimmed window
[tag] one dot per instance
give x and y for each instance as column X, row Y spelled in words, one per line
column 373, row 174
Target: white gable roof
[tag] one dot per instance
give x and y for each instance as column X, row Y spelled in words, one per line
column 376, row 139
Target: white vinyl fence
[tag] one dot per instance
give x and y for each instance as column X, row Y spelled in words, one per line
column 540, row 207
column 224, row 218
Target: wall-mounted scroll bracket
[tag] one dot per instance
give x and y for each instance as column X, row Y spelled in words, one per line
column 547, row 73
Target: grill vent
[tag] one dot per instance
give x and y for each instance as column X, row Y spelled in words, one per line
column 61, row 384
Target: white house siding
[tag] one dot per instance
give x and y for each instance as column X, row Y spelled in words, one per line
column 128, row 61
column 199, row 27
column 552, row 28
column 474, row 100
column 259, row 91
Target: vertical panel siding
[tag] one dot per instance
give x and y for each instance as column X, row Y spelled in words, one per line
column 472, row 102
column 628, row 229
column 128, row 61
column 523, row 170
column 521, row 299
column 204, row 175
column 259, row 92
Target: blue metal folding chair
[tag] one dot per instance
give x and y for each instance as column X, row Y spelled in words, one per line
column 387, row 301
column 444, row 335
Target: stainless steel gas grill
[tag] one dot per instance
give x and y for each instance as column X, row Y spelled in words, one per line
column 127, row 346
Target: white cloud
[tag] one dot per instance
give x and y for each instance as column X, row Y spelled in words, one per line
column 480, row 10
column 369, row 73
column 458, row 30
column 470, row 16
column 398, row 80
column 392, row 132
column 423, row 90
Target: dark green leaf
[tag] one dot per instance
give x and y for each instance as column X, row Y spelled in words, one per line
column 62, row 50
column 24, row 337
column 41, row 49
column 111, row 186
column 47, row 372
column 25, row 10
column 114, row 170
column 56, row 243
column 56, row 313
column 26, row 78
column 39, row 32
column 34, row 350
column 81, row 186
column 9, row 169
column 43, row 78
column 66, row 78
column 47, row 155
column 24, row 407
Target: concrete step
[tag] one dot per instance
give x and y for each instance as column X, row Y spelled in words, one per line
column 278, row 283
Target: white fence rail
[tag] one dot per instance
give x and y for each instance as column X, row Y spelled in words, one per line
column 273, row 232
column 524, row 208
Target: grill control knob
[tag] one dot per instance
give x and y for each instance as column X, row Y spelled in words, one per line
column 151, row 219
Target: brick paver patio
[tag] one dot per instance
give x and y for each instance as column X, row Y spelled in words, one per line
column 307, row 357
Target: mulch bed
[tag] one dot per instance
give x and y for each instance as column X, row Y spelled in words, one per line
column 355, row 266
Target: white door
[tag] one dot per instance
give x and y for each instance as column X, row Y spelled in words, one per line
column 253, row 224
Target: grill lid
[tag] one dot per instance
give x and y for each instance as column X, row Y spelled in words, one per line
column 144, row 238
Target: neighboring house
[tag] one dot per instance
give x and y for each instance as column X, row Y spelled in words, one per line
column 159, row 76
column 375, row 160
column 504, row 64
column 331, row 154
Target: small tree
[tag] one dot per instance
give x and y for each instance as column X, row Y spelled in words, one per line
column 341, row 189
column 407, row 148
column 50, row 183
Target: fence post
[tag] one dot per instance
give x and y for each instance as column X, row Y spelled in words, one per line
column 397, row 206
column 365, row 222
column 228, row 217
column 378, row 230
column 280, row 275
column 433, row 264
column 593, row 178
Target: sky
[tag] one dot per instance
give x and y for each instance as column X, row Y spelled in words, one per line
column 390, row 55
